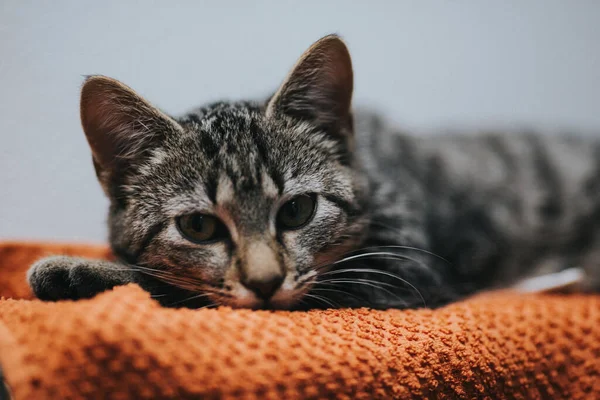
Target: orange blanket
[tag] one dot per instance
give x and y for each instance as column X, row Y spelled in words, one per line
column 122, row 345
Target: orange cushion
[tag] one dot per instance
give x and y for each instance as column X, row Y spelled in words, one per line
column 123, row 345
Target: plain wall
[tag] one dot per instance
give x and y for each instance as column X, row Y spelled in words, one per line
column 426, row 64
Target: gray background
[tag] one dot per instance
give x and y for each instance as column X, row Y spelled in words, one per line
column 427, row 64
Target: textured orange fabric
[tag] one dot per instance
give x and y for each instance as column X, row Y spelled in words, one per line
column 123, row 345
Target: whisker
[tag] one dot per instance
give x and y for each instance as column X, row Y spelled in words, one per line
column 366, row 282
column 138, row 268
column 207, row 306
column 388, row 304
column 175, row 282
column 187, row 283
column 170, row 275
column 163, row 273
column 412, row 249
column 198, row 296
column 349, row 280
column 380, row 272
column 345, row 293
column 308, row 276
column 322, row 299
column 398, row 247
column 377, row 254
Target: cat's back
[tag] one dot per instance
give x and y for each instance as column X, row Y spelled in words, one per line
column 526, row 164
column 538, row 191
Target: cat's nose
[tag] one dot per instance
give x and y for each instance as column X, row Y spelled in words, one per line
column 261, row 270
column 266, row 286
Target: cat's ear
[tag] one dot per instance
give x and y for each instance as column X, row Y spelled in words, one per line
column 120, row 126
column 319, row 87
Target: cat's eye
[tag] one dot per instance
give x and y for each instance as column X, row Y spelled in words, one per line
column 297, row 212
column 201, row 228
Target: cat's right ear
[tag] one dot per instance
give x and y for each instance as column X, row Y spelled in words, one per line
column 120, row 127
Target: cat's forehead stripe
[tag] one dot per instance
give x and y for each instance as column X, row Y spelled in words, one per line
column 269, row 186
column 225, row 190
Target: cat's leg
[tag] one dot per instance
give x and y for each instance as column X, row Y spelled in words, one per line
column 62, row 277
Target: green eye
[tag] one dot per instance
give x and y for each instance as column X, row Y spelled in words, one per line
column 297, row 212
column 201, row 228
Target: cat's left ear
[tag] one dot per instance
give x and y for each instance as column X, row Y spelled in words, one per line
column 319, row 88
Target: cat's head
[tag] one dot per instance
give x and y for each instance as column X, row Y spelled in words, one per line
column 243, row 202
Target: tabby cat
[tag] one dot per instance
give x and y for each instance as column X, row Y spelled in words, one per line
column 299, row 202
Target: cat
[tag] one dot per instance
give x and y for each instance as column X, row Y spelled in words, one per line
column 302, row 202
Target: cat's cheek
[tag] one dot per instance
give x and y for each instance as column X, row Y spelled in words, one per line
column 299, row 256
column 205, row 261
column 327, row 221
column 304, row 246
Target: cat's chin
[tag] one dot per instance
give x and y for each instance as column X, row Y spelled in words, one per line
column 280, row 301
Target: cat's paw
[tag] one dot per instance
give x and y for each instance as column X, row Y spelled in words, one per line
column 60, row 278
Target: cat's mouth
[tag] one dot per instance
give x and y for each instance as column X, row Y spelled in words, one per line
column 286, row 297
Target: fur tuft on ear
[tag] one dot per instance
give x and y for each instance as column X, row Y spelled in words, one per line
column 120, row 126
column 319, row 87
